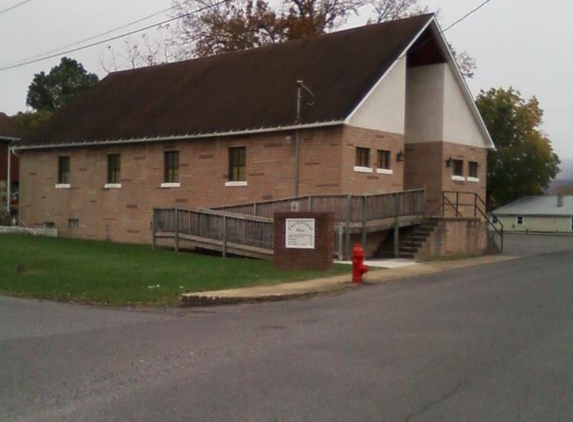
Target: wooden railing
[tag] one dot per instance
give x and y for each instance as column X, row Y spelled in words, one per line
column 346, row 208
column 248, row 226
column 224, row 228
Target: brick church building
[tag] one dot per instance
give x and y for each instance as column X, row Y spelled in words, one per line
column 383, row 108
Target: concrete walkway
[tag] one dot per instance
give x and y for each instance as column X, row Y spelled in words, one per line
column 380, row 271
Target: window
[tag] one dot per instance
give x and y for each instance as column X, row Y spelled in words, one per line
column 362, row 157
column 520, row 220
column 458, row 168
column 383, row 159
column 73, row 223
column 473, row 171
column 64, row 170
column 113, row 168
column 171, row 174
column 238, row 164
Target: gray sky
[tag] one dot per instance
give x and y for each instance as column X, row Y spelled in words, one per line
column 519, row 43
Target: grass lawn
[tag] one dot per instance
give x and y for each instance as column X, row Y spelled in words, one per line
column 119, row 274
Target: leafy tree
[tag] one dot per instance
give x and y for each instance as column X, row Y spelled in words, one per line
column 28, row 121
column 65, row 81
column 524, row 162
column 565, row 189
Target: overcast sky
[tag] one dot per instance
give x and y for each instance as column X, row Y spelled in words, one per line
column 519, row 43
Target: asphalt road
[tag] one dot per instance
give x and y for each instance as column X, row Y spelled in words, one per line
column 489, row 343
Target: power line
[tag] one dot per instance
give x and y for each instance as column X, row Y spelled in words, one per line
column 22, row 3
column 126, row 34
column 467, row 15
column 95, row 36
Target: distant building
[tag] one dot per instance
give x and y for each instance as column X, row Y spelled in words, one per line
column 8, row 134
column 545, row 214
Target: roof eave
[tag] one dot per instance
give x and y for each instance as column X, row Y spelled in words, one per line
column 80, row 144
column 9, row 138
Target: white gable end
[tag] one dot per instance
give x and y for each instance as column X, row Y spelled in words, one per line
column 460, row 125
column 384, row 108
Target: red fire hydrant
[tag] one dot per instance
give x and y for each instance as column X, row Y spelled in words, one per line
column 358, row 267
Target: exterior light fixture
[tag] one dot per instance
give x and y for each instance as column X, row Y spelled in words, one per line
column 400, row 156
column 450, row 162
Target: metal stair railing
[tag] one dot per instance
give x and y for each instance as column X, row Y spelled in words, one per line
column 477, row 210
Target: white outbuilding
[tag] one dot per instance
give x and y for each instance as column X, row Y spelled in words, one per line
column 543, row 214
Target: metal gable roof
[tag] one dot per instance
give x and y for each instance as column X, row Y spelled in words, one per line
column 537, row 206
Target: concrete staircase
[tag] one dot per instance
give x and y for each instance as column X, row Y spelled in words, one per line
column 411, row 240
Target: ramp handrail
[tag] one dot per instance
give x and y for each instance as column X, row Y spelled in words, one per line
column 346, row 208
column 219, row 226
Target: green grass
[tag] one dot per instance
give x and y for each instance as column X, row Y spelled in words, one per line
column 119, row 274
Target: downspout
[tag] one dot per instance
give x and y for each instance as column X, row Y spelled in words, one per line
column 297, row 139
column 8, row 179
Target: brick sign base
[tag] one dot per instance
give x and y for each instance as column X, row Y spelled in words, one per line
column 319, row 258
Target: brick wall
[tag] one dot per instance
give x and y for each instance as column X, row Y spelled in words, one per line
column 327, row 158
column 319, row 258
column 124, row 214
column 453, row 237
column 426, row 166
column 374, row 182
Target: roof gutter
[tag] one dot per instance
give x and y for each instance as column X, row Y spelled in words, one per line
column 180, row 137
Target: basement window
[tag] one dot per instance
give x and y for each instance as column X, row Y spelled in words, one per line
column 237, row 167
column 473, row 171
column 458, row 170
column 63, row 172
column 74, row 223
column 383, row 162
column 362, row 163
column 170, row 169
column 113, row 171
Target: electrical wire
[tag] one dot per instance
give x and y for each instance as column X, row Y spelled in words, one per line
column 96, row 36
column 52, row 53
column 135, row 31
column 22, row 3
column 467, row 15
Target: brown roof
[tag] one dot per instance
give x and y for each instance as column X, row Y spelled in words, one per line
column 7, row 128
column 236, row 91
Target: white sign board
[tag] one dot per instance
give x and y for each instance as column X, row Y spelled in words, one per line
column 299, row 233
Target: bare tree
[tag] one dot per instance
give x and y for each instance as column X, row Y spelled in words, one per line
column 389, row 10
column 209, row 27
